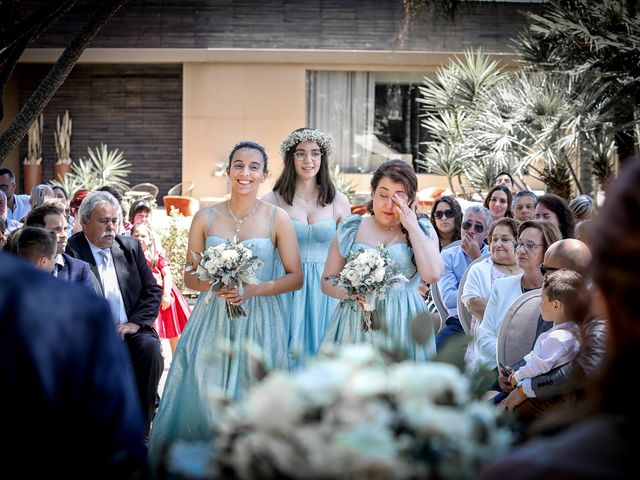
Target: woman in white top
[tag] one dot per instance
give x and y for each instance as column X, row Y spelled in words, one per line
column 481, row 276
column 533, row 240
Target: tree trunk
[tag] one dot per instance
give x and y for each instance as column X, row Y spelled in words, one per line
column 55, row 78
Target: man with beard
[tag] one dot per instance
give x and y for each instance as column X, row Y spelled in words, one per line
column 128, row 286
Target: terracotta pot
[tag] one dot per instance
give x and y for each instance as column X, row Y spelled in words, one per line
column 32, row 176
column 60, row 170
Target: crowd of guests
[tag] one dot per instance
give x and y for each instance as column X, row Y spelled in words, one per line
column 303, row 231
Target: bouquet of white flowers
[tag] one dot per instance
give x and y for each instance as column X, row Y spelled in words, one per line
column 230, row 264
column 368, row 274
column 350, row 414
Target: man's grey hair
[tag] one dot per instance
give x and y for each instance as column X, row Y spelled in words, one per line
column 522, row 193
column 482, row 210
column 91, row 202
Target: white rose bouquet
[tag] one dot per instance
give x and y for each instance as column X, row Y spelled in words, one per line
column 367, row 276
column 351, row 414
column 230, row 264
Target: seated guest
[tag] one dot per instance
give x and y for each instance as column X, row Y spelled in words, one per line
column 37, row 246
column 552, row 208
column 533, row 240
column 129, row 287
column 17, row 205
column 67, row 392
column 10, row 224
column 74, row 225
column 565, row 304
column 50, row 217
column 39, row 194
column 524, row 205
column 60, row 193
column 482, row 275
column 498, row 201
column 562, row 384
column 475, row 227
column 446, row 218
column 505, row 178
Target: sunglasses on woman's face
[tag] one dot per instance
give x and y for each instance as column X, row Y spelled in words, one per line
column 466, row 225
column 443, row 213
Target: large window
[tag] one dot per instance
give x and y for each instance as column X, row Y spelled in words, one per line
column 373, row 116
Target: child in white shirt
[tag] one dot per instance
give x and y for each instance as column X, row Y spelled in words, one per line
column 563, row 303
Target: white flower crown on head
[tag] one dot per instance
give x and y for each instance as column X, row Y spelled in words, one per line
column 307, row 135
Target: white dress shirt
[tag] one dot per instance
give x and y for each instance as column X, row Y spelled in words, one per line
column 109, row 280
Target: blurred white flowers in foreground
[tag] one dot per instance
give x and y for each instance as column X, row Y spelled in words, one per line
column 349, row 414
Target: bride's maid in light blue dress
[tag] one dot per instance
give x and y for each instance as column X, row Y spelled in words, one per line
column 211, row 357
column 306, row 192
column 412, row 244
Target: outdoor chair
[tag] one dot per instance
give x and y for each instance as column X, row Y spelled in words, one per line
column 139, row 190
column 179, row 197
column 517, row 332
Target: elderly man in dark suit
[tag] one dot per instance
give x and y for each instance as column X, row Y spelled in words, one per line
column 128, row 285
column 50, row 216
column 69, row 404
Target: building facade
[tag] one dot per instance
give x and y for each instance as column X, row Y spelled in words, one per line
column 175, row 84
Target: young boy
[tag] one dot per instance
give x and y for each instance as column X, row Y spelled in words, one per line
column 564, row 302
column 38, row 246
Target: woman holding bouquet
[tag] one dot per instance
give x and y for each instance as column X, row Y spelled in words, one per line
column 305, row 191
column 212, row 357
column 412, row 244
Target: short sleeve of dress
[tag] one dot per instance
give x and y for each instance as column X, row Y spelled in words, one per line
column 347, row 231
column 426, row 226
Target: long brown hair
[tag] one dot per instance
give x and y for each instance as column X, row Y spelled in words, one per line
column 507, row 192
column 286, row 183
column 457, row 216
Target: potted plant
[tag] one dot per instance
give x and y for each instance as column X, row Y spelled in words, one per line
column 62, row 140
column 33, row 162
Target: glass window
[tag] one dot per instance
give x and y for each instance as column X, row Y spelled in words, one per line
column 372, row 116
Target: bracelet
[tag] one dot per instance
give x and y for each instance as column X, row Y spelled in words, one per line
column 522, row 392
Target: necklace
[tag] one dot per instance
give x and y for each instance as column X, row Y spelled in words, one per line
column 240, row 221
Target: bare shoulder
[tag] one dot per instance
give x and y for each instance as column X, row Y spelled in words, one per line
column 343, row 206
column 269, row 197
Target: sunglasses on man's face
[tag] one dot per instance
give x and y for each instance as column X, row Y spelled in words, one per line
column 479, row 228
column 443, row 213
column 544, row 269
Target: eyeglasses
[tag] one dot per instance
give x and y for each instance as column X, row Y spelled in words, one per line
column 544, row 269
column 443, row 213
column 529, row 246
column 301, row 155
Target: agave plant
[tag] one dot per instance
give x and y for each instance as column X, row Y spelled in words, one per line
column 342, row 183
column 103, row 167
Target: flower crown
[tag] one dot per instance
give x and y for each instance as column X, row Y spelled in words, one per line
column 307, row 135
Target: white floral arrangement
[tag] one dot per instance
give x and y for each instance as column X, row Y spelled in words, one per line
column 323, row 140
column 367, row 276
column 230, row 264
column 349, row 414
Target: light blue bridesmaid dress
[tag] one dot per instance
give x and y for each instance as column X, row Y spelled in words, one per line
column 400, row 306
column 308, row 309
column 200, row 368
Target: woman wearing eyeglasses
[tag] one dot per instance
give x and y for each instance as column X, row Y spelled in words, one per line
column 305, row 191
column 533, row 240
column 446, row 217
column 483, row 274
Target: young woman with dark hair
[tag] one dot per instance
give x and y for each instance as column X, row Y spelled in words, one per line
column 305, row 191
column 553, row 209
column 446, row 217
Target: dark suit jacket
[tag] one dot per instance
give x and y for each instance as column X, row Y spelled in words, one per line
column 78, row 271
column 67, row 392
column 140, row 291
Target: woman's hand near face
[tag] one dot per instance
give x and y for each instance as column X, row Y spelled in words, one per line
column 406, row 212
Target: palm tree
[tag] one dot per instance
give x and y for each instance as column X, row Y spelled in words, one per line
column 599, row 40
